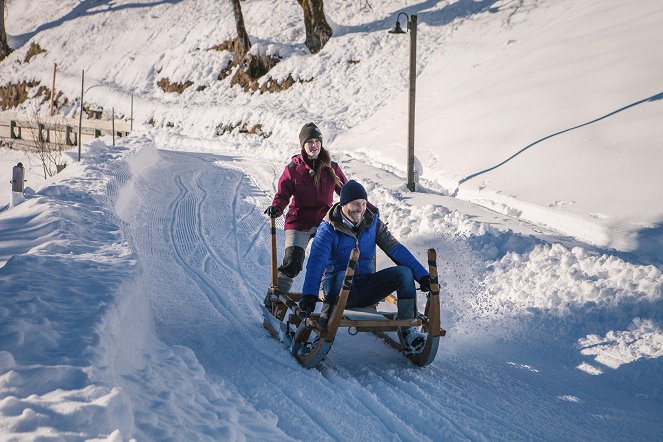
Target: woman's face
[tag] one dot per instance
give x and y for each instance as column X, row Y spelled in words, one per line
column 312, row 148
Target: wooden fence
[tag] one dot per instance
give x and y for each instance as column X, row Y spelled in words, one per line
column 24, row 131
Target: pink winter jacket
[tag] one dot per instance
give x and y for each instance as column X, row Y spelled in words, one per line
column 309, row 203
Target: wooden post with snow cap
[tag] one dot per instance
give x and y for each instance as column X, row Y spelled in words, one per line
column 18, row 178
column 113, row 125
column 131, row 127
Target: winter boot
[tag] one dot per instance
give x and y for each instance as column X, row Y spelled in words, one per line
column 268, row 301
column 411, row 337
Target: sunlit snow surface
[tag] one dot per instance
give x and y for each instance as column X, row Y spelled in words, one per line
column 130, row 283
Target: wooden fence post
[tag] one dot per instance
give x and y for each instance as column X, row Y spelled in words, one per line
column 55, row 67
column 131, row 127
column 113, row 125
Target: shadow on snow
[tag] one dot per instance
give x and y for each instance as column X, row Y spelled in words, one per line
column 653, row 98
column 85, row 8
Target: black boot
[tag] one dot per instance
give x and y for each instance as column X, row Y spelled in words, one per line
column 411, row 337
column 268, row 301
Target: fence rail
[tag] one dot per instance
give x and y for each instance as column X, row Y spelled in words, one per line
column 24, row 130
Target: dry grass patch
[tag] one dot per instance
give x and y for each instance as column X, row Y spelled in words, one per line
column 167, row 86
column 34, row 50
column 243, row 128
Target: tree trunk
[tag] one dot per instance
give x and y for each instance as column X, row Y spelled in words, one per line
column 4, row 48
column 318, row 31
column 241, row 44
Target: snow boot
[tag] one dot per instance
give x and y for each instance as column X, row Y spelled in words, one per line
column 268, row 301
column 411, row 337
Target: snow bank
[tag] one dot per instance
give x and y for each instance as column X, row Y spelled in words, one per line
column 643, row 339
column 554, row 278
column 66, row 262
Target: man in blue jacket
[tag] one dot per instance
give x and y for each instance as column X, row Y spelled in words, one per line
column 348, row 225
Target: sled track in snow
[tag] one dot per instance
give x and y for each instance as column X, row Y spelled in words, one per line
column 183, row 232
column 203, row 244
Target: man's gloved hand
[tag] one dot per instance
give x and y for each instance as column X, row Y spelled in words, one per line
column 307, row 303
column 425, row 283
column 273, row 211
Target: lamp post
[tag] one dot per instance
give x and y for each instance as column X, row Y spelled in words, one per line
column 412, row 27
column 80, row 115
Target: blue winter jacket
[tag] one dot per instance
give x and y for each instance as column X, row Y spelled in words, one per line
column 334, row 241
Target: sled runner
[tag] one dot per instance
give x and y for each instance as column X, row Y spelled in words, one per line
column 309, row 339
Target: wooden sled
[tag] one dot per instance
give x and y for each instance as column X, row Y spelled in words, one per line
column 309, row 343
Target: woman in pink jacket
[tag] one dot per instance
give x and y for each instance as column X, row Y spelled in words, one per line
column 310, row 180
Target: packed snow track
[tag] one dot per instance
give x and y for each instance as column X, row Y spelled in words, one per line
column 196, row 223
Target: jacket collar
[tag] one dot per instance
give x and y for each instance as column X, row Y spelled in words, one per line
column 301, row 163
column 335, row 218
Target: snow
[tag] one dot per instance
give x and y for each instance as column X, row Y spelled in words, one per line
column 130, row 283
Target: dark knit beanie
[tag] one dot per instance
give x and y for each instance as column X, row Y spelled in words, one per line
column 310, row 130
column 351, row 191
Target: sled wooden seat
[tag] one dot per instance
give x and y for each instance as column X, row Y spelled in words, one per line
column 370, row 320
column 363, row 314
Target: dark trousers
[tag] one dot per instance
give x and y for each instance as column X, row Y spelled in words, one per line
column 367, row 290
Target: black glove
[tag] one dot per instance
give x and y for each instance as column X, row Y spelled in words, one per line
column 307, row 303
column 425, row 284
column 273, row 211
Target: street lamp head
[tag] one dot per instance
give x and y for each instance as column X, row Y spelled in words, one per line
column 397, row 29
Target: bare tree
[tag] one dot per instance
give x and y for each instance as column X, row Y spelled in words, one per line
column 48, row 145
column 4, row 48
column 318, row 31
column 250, row 67
column 241, row 43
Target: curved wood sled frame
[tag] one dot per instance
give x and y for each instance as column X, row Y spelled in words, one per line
column 309, row 343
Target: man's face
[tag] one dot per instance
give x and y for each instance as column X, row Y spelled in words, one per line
column 354, row 210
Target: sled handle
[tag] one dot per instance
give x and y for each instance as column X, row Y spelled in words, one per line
column 432, row 270
column 433, row 303
column 338, row 310
column 273, row 254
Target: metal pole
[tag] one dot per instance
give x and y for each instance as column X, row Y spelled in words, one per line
column 55, row 67
column 80, row 116
column 412, row 25
column 113, row 125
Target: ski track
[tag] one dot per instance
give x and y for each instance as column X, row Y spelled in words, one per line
column 194, row 251
column 193, row 229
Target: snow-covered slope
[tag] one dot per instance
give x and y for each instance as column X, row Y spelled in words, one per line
column 130, row 283
column 553, row 116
